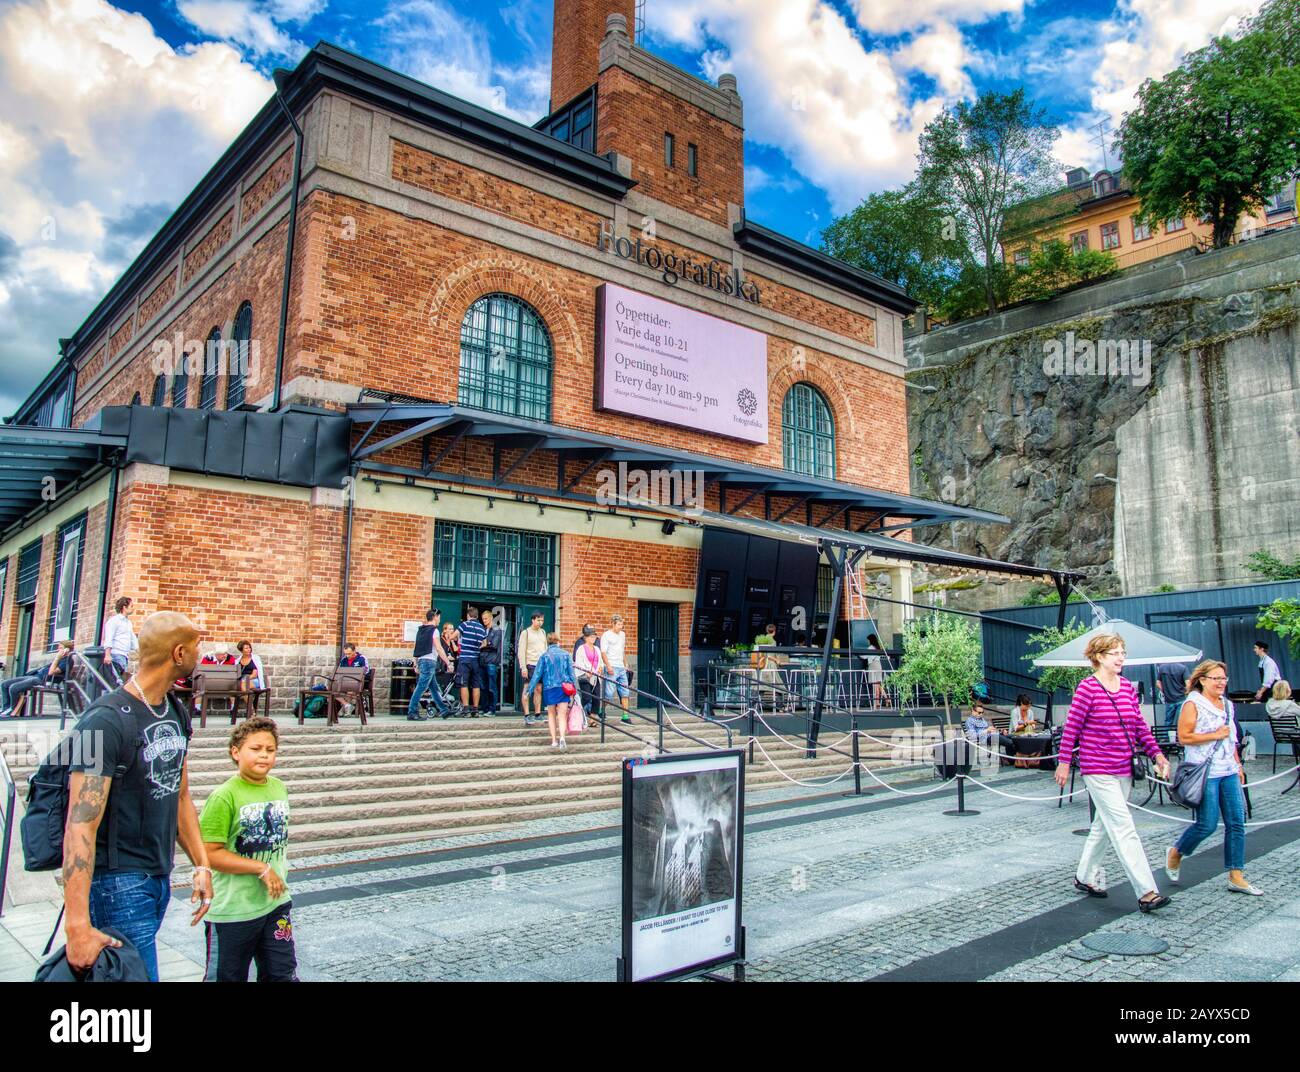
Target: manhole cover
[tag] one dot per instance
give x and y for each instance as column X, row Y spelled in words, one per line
column 1084, row 954
column 1122, row 944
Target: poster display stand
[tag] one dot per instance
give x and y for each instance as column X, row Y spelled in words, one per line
column 683, row 837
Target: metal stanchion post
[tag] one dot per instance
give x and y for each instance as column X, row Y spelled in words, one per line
column 961, row 749
column 659, row 711
column 857, row 765
column 752, row 728
column 1092, row 814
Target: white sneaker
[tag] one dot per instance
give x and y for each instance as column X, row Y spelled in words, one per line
column 1253, row 891
column 1172, row 872
column 563, row 747
column 555, row 744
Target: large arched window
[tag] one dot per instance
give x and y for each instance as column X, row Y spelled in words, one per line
column 181, row 381
column 240, row 359
column 211, row 364
column 159, row 391
column 808, row 432
column 505, row 358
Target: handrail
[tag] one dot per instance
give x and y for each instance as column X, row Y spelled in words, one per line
column 79, row 660
column 11, row 810
column 658, row 721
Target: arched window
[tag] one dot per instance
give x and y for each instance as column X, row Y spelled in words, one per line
column 181, row 381
column 135, row 399
column 808, row 432
column 240, row 359
column 159, row 391
column 505, row 358
column 211, row 364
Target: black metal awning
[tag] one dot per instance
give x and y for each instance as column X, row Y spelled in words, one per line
column 739, row 482
column 40, row 464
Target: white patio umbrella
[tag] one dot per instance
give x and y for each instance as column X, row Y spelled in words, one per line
column 1142, row 647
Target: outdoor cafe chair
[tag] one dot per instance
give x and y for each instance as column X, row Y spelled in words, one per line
column 347, row 684
column 213, row 683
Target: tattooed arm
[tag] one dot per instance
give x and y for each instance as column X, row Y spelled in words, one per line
column 87, row 799
column 187, row 833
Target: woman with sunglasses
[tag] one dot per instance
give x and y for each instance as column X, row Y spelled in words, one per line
column 1107, row 724
column 1208, row 733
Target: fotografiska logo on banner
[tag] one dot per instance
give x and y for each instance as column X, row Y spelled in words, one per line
column 714, row 276
column 119, row 1026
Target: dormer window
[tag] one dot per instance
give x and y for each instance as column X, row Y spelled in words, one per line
column 1103, row 183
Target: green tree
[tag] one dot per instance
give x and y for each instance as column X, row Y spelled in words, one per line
column 1054, row 266
column 906, row 236
column 1216, row 136
column 1282, row 617
column 1046, row 595
column 991, row 155
column 1051, row 678
column 1272, row 568
column 942, row 654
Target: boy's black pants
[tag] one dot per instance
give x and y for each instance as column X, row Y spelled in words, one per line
column 266, row 941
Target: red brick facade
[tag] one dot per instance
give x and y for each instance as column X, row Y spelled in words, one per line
column 381, row 284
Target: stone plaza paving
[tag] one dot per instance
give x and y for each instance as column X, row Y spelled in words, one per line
column 836, row 888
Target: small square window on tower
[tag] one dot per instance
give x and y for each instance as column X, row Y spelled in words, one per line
column 668, row 150
column 692, row 160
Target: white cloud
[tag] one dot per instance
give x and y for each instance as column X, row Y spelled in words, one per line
column 844, row 115
column 1145, row 39
column 897, row 16
column 252, row 26
column 429, row 40
column 106, row 128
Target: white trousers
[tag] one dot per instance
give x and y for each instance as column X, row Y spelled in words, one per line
column 1114, row 821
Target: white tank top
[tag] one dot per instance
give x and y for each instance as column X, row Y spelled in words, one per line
column 1208, row 719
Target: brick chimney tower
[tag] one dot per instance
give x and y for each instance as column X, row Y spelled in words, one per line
column 575, row 44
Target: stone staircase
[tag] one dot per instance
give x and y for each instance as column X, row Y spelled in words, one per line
column 394, row 782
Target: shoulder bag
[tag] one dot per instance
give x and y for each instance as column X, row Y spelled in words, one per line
column 1139, row 762
column 1188, row 785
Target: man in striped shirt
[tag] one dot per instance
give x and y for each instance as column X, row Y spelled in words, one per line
column 469, row 675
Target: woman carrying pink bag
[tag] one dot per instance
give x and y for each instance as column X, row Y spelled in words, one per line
column 590, row 664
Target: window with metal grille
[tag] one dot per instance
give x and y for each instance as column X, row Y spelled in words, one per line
column 67, row 579
column 241, row 343
column 808, row 432
column 159, row 391
column 505, row 358
column 501, row 561
column 181, row 382
column 29, row 572
column 211, row 363
column 825, row 591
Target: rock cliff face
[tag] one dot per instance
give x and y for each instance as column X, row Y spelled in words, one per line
column 1143, row 430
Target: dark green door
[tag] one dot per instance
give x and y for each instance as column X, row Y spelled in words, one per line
column 656, row 649
column 24, row 639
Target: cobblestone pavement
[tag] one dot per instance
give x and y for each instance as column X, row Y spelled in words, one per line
column 836, row 888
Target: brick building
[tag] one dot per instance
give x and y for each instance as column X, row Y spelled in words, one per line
column 441, row 417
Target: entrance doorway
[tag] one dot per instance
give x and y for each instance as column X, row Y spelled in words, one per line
column 22, row 651
column 511, row 618
column 656, row 649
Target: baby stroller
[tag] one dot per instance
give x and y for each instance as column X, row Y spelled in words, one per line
column 445, row 683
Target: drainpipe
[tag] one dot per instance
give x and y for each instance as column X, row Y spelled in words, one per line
column 281, row 77
column 110, row 518
column 347, row 558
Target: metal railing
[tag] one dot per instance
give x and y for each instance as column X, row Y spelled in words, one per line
column 83, row 684
column 11, row 813
column 661, row 722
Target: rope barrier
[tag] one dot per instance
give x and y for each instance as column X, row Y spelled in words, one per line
column 796, row 781
column 1012, row 796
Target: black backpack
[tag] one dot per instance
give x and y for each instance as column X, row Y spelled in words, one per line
column 46, row 817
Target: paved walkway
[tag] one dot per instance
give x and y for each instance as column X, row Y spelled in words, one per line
column 836, row 887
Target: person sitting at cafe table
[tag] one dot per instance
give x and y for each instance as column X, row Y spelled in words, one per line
column 252, row 677
column 1022, row 716
column 981, row 731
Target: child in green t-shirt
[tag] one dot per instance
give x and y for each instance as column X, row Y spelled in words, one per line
column 245, row 825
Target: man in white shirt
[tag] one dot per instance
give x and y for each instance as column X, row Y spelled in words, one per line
column 613, row 643
column 119, row 637
column 532, row 645
column 1269, row 674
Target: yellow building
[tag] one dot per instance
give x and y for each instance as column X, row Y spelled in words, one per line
column 1098, row 212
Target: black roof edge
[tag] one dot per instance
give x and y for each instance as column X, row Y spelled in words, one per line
column 324, row 66
column 817, row 265
column 49, row 383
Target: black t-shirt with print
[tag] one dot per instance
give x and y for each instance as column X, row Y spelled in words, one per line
column 120, row 729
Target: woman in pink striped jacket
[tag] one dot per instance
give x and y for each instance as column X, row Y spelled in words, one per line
column 1106, row 722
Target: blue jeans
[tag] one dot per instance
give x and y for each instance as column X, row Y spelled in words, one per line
column 12, row 688
column 1222, row 795
column 428, row 669
column 489, row 671
column 133, row 904
column 1171, row 712
column 616, row 682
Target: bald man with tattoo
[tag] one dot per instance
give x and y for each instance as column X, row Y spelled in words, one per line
column 117, row 853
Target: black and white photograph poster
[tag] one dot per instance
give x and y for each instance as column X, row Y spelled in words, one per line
column 682, row 862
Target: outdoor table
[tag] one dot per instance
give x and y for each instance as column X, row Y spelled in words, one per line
column 1029, row 745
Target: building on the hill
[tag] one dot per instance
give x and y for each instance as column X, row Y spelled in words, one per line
column 1098, row 212
column 548, row 367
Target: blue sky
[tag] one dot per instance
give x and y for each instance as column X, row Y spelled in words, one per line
column 109, row 113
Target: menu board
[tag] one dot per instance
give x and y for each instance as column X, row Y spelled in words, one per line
column 715, row 587
column 758, row 591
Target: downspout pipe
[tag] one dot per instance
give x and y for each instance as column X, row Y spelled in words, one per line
column 110, row 520
column 281, row 77
column 347, row 558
